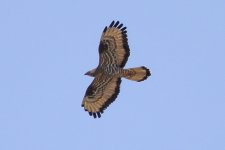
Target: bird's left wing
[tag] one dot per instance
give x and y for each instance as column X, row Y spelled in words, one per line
column 100, row 94
column 113, row 47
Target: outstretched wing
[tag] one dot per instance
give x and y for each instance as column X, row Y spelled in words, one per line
column 100, row 94
column 113, row 47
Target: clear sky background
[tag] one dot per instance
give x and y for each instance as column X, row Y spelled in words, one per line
column 46, row 46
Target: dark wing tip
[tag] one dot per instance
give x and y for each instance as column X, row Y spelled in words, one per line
column 99, row 114
column 124, row 28
column 95, row 114
column 124, row 32
column 120, row 26
column 105, row 29
column 116, row 24
column 112, row 23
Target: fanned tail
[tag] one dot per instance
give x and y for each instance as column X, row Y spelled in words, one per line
column 136, row 74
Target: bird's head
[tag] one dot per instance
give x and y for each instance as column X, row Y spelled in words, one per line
column 91, row 73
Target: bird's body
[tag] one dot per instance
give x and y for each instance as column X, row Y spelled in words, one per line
column 114, row 52
column 109, row 70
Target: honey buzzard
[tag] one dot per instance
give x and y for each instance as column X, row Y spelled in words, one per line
column 113, row 54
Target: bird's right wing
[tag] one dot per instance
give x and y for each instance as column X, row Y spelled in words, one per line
column 100, row 94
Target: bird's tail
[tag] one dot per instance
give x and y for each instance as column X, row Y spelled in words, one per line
column 136, row 74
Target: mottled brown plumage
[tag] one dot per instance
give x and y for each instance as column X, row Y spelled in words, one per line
column 113, row 55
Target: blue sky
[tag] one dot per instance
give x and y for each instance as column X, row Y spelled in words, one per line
column 46, row 46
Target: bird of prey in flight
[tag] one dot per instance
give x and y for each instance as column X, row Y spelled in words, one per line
column 113, row 55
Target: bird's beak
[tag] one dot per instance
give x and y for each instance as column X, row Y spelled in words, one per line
column 87, row 73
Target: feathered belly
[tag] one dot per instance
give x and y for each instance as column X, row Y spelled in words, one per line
column 112, row 70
